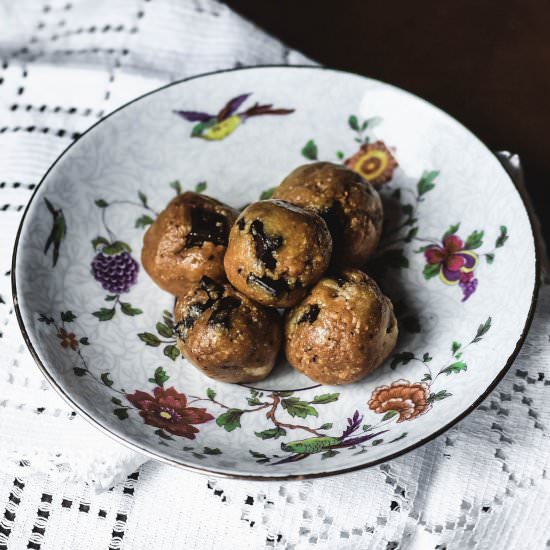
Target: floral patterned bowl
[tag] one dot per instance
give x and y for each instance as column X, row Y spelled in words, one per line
column 457, row 258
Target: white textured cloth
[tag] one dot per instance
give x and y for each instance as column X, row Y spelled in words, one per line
column 484, row 484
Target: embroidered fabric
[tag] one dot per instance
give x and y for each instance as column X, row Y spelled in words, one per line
column 483, row 484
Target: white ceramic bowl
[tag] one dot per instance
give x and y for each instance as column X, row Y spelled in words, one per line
column 458, row 259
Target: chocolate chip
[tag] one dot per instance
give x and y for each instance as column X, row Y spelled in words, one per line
column 207, row 226
column 221, row 315
column 335, row 219
column 265, row 244
column 241, row 223
column 310, row 315
column 275, row 287
column 196, row 309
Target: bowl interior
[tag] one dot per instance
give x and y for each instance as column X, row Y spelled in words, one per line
column 457, row 259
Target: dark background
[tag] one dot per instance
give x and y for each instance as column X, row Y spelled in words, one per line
column 487, row 63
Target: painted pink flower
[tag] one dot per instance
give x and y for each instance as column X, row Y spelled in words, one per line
column 453, row 263
column 167, row 409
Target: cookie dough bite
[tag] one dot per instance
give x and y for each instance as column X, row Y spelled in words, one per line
column 348, row 203
column 226, row 335
column 275, row 251
column 343, row 330
column 187, row 240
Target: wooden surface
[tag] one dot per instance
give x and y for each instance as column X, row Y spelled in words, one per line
column 486, row 63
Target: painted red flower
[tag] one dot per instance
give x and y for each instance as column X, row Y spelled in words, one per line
column 167, row 409
column 408, row 399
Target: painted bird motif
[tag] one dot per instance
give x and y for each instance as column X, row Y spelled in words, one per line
column 304, row 447
column 218, row 127
column 58, row 232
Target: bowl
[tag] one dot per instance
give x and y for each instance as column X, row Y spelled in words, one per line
column 457, row 258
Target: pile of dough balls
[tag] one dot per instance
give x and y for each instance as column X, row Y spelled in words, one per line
column 302, row 250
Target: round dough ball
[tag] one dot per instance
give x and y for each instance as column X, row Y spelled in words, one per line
column 348, row 203
column 226, row 335
column 187, row 240
column 275, row 251
column 342, row 331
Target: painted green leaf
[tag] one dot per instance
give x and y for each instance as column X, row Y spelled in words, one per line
column 159, row 377
column 149, row 339
column 230, row 420
column 163, row 435
column 394, row 258
column 482, row 330
column 176, row 186
column 84, row 341
column 144, row 221
column 325, row 398
column 111, row 297
column 426, row 378
column 426, row 182
column 403, row 357
column 430, row 271
column 79, row 371
column 284, row 393
column 45, row 319
column 377, row 442
column 374, row 121
column 212, row 451
column 106, row 379
column 455, row 347
column 309, row 150
column 171, row 351
column 100, row 203
column 116, row 401
column 443, row 394
column 273, row 433
column 164, row 330
column 503, row 237
column 99, row 241
column 143, row 198
column 366, row 427
column 389, row 414
column 252, row 401
column 353, row 123
column 474, row 240
column 122, row 414
column 201, row 187
column 411, row 234
column 210, row 393
column 326, row 426
column 490, row 257
column 403, row 435
column 127, row 309
column 267, row 194
column 407, row 209
column 329, row 454
column 104, row 314
column 426, row 358
column 451, row 231
column 456, row 367
column 295, row 407
column 116, row 248
column 339, row 155
column 68, row 316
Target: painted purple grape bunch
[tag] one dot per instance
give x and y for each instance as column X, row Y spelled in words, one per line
column 117, row 272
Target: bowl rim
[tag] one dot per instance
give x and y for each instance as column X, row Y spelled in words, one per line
column 151, row 454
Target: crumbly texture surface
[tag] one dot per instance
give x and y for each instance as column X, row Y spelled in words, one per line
column 226, row 335
column 348, row 203
column 343, row 330
column 187, row 240
column 276, row 250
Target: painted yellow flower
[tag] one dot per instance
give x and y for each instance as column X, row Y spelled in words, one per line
column 374, row 162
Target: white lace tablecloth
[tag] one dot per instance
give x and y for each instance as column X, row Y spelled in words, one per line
column 484, row 484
